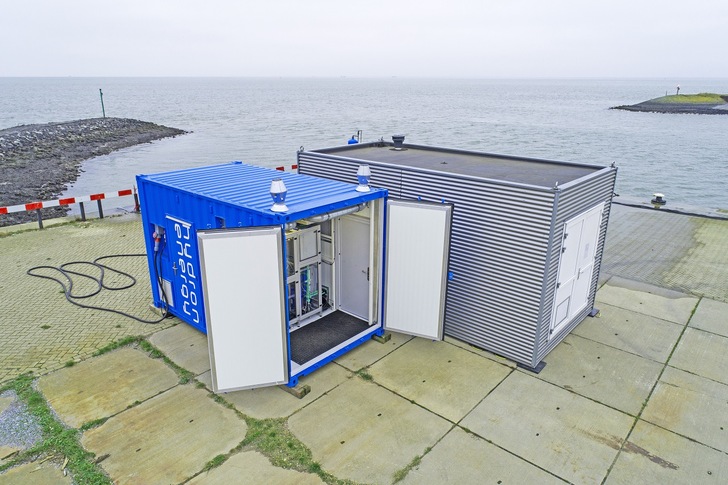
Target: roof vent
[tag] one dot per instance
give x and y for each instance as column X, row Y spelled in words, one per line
column 398, row 140
column 363, row 174
column 278, row 192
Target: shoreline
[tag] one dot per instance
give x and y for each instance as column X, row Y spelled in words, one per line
column 38, row 161
column 673, row 108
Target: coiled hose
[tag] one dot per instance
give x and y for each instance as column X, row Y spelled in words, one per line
column 67, row 283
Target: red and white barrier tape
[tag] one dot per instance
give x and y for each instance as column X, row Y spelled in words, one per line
column 67, row 201
column 283, row 169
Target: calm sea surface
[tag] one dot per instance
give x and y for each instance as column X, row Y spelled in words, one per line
column 264, row 121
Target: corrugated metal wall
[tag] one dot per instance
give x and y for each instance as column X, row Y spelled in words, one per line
column 497, row 252
column 574, row 200
column 500, row 237
column 338, row 168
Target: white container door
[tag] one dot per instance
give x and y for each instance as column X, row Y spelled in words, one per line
column 242, row 276
column 576, row 267
column 418, row 246
column 354, row 261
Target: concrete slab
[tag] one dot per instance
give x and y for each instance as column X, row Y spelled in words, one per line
column 185, row 346
column 665, row 457
column 7, row 452
column 252, row 468
column 484, row 353
column 272, row 402
column 649, row 300
column 370, row 352
column 35, row 474
column 364, row 432
column 605, row 374
column 161, row 440
column 702, row 353
column 105, row 385
column 464, row 458
column 711, row 316
column 439, row 376
column 571, row 436
column 633, row 332
column 691, row 406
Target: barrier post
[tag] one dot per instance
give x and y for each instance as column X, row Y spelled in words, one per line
column 40, row 219
column 137, row 208
column 101, row 209
column 83, row 211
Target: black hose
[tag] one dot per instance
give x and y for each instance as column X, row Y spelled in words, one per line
column 100, row 284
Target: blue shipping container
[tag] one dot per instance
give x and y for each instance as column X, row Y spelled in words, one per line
column 285, row 272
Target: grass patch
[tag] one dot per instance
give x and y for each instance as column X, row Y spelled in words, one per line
column 185, row 376
column 57, row 439
column 45, row 327
column 701, row 98
column 400, row 474
column 70, row 363
column 214, row 463
column 364, row 374
column 118, row 344
column 92, row 424
column 272, row 438
column 153, row 352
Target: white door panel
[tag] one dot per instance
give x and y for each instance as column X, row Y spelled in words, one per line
column 354, row 266
column 418, row 243
column 242, row 274
column 576, row 267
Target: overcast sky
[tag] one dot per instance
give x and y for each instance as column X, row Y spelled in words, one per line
column 431, row 38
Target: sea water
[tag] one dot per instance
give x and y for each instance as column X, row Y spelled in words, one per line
column 265, row 121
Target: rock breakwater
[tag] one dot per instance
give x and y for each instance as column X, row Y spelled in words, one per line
column 37, row 162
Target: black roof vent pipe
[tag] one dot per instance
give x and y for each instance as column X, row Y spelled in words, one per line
column 398, row 140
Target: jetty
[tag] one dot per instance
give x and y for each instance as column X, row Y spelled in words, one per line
column 39, row 161
column 635, row 394
column 702, row 103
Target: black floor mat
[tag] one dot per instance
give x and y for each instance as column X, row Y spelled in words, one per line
column 316, row 338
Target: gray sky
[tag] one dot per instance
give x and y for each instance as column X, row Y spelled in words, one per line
column 443, row 38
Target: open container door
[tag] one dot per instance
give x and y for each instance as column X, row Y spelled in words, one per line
column 418, row 247
column 242, row 275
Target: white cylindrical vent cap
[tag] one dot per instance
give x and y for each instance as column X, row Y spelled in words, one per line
column 278, row 192
column 363, row 174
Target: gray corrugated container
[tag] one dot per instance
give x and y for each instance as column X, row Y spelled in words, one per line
column 527, row 236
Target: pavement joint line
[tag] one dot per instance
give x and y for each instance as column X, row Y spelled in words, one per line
column 469, row 431
column 380, row 358
column 698, row 375
column 525, row 372
column 412, row 401
column 652, row 391
column 479, row 354
column 418, row 459
column 699, row 297
column 573, row 335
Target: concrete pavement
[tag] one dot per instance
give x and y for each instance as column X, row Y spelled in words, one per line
column 636, row 395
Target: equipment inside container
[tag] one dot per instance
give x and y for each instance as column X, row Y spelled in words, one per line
column 332, row 276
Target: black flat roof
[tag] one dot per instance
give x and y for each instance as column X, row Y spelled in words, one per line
column 529, row 171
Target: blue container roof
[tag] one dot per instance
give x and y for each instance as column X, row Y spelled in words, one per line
column 248, row 186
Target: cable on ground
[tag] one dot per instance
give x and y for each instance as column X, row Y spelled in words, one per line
column 67, row 283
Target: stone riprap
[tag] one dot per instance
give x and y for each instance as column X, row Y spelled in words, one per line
column 37, row 162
